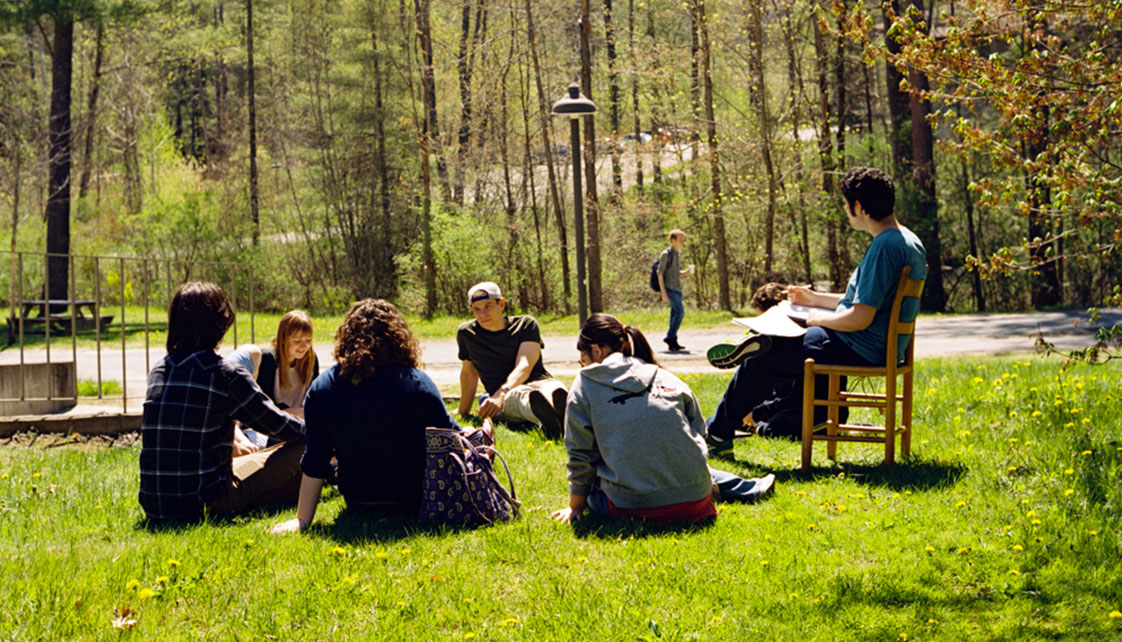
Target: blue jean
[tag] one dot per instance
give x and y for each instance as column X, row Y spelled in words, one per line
column 677, row 313
column 731, row 487
column 756, row 379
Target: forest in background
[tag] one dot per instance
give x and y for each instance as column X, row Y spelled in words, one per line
column 405, row 150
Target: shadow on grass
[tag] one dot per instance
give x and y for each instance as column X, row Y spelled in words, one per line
column 364, row 526
column 600, row 527
column 270, row 510
column 911, row 474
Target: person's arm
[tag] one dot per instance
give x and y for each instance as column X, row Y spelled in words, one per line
column 662, row 287
column 253, row 408
column 850, row 320
column 663, row 263
column 242, row 444
column 802, row 295
column 529, row 353
column 573, row 512
column 469, row 381
column 584, row 455
column 310, row 488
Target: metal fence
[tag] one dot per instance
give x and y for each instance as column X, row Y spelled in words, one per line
column 101, row 287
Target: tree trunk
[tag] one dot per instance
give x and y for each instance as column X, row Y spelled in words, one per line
column 428, row 99
column 826, row 156
column 695, row 82
column 794, row 107
column 714, row 162
column 923, row 175
column 758, row 95
column 634, row 60
column 58, row 172
column 528, row 185
column 465, row 68
column 613, row 100
column 841, row 110
column 386, row 267
column 899, row 105
column 979, row 295
column 656, row 120
column 251, row 90
column 91, row 114
column 595, row 295
column 547, row 140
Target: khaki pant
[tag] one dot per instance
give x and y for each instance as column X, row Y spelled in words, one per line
column 266, row 476
column 516, row 406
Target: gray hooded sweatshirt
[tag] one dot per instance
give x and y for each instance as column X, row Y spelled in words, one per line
column 639, row 430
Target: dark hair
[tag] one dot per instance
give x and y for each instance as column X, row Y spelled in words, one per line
column 605, row 330
column 768, row 295
column 872, row 189
column 374, row 334
column 199, row 317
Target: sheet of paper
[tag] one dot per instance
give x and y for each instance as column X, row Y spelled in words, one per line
column 774, row 322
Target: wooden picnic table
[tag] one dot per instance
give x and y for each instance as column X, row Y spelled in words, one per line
column 84, row 313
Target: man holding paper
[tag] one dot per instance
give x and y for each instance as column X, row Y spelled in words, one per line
column 843, row 329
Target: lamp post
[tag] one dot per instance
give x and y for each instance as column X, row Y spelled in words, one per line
column 574, row 105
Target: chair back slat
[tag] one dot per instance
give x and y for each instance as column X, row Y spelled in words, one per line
column 905, row 288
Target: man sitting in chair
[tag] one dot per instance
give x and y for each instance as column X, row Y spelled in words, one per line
column 854, row 333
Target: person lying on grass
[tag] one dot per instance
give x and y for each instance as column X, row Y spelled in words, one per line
column 187, row 466
column 284, row 369
column 636, row 437
column 369, row 411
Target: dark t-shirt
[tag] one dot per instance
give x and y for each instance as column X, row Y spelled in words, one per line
column 493, row 353
column 377, row 431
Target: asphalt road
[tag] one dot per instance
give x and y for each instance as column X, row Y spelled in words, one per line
column 936, row 336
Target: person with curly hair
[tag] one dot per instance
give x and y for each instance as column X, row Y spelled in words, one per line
column 369, row 411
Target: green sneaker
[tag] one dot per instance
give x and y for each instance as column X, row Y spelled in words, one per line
column 730, row 355
column 718, row 447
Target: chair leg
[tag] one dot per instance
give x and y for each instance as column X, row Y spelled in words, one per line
column 833, row 416
column 808, row 413
column 890, row 420
column 906, row 417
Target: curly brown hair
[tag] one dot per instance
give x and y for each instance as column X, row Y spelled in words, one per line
column 374, row 334
column 768, row 296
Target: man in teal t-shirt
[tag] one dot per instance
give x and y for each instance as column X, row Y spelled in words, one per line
column 854, row 333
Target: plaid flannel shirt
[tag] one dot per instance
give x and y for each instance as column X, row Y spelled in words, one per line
column 187, row 431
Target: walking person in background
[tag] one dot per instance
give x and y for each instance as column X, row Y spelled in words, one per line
column 670, row 275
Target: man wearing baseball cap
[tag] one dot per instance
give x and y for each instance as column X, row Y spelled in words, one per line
column 506, row 354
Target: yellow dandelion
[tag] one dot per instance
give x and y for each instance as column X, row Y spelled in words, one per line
column 960, row 410
column 4, row 476
column 895, row 495
column 510, row 621
column 381, row 555
column 960, row 504
column 1087, row 453
column 1012, row 469
column 1075, row 411
column 801, row 493
column 962, row 550
column 1058, row 403
column 841, row 475
column 1031, row 512
column 1069, row 492
column 977, row 380
column 929, row 549
column 903, row 636
column 132, row 585
column 1023, row 502
column 582, row 559
column 1014, row 571
column 469, row 636
column 1013, row 440
column 763, row 562
column 548, row 442
column 1086, row 420
column 1070, row 424
column 468, row 600
column 1069, row 471
column 406, row 551
column 907, row 492
column 1114, row 615
column 1035, row 522
column 339, row 550
column 1033, row 389
column 163, row 579
column 145, row 593
column 37, row 475
column 349, row 580
column 1038, row 538
column 932, row 621
column 811, row 527
column 1007, row 528
column 1012, row 413
column 401, row 605
column 173, row 563
column 637, row 564
column 1035, row 413
column 1018, row 548
column 1092, row 533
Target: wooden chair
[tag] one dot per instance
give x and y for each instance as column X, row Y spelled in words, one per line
column 831, row 432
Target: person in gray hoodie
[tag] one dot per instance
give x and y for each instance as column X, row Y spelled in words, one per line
column 636, row 436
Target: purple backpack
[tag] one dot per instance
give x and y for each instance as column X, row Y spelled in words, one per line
column 460, row 487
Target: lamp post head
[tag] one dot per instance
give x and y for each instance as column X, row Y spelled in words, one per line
column 574, row 104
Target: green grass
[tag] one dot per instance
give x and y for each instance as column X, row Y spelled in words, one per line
column 264, row 325
column 1004, row 526
column 88, row 388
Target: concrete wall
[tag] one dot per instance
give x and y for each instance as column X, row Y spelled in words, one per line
column 39, row 381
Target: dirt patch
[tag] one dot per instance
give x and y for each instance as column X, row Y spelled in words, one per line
column 32, row 439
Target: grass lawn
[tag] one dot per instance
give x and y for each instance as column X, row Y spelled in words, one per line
column 264, row 325
column 1004, row 526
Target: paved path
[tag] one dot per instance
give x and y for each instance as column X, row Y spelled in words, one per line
column 937, row 336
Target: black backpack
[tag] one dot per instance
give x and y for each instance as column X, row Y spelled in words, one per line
column 654, row 277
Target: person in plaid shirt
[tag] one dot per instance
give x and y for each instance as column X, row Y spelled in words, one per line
column 188, row 467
